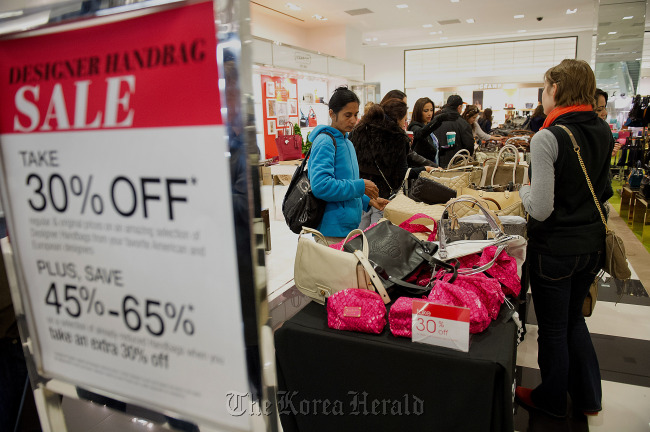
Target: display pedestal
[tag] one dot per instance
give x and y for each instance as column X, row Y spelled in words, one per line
column 331, row 380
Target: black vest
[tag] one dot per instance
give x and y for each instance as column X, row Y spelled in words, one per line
column 575, row 227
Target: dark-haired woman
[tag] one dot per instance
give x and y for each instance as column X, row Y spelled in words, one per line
column 485, row 120
column 382, row 148
column 334, row 171
column 537, row 119
column 425, row 142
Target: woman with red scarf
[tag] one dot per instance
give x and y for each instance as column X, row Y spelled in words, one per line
column 566, row 242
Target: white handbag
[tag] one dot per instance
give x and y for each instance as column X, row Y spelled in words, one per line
column 515, row 245
column 320, row 271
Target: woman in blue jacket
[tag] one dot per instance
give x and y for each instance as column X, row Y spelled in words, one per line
column 334, row 171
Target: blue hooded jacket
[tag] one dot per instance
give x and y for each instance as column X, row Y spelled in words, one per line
column 336, row 181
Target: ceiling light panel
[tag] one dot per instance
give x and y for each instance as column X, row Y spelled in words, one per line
column 355, row 12
column 571, row 11
column 470, row 21
column 401, row 6
column 518, row 16
column 293, row 6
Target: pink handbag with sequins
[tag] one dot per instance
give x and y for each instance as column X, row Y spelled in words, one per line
column 400, row 317
column 448, row 294
column 356, row 310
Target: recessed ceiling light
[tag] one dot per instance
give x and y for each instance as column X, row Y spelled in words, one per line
column 455, row 1
column 401, row 6
column 518, row 16
column 383, row 44
column 444, row 38
column 521, row 31
column 571, row 11
column 602, row 43
column 319, row 17
column 293, row 6
column 435, row 32
column 427, row 25
column 470, row 21
column 629, row 17
column 611, row 33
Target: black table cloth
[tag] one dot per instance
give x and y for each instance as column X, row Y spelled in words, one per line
column 331, row 380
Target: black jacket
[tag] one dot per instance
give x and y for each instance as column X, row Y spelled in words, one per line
column 422, row 140
column 575, row 227
column 382, row 151
column 464, row 137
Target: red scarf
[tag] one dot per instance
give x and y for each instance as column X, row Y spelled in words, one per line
column 558, row 111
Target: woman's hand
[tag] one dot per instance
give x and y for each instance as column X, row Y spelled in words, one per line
column 371, row 189
column 428, row 168
column 379, row 203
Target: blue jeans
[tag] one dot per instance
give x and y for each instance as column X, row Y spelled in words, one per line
column 566, row 356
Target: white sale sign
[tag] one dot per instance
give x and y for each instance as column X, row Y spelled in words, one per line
column 441, row 325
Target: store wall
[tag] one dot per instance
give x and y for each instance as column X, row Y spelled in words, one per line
column 386, row 64
column 338, row 41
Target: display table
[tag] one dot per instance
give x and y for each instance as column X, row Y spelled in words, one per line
column 626, row 210
column 640, row 216
column 325, row 376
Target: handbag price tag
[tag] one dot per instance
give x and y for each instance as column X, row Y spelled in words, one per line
column 440, row 325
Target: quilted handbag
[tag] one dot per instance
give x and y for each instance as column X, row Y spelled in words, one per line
column 320, row 271
column 509, row 202
column 487, row 289
column 497, row 172
column 476, row 227
column 430, row 191
column 445, row 293
column 402, row 208
column 400, row 317
column 356, row 310
column 502, row 268
column 451, row 250
column 289, row 145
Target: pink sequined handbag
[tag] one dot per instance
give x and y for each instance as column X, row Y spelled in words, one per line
column 400, row 317
column 356, row 310
column 504, row 270
column 487, row 289
column 449, row 294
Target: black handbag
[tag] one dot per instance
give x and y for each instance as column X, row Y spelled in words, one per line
column 430, row 191
column 396, row 254
column 300, row 207
column 303, row 119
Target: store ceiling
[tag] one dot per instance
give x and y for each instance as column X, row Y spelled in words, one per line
column 447, row 20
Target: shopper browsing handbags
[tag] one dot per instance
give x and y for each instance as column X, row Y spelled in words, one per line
column 425, row 142
column 459, row 130
column 334, row 171
column 382, row 147
column 471, row 116
column 566, row 238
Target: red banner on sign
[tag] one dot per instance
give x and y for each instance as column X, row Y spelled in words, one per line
column 148, row 71
column 440, row 311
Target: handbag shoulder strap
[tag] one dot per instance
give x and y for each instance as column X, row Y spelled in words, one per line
column 576, row 148
column 374, row 278
column 512, row 149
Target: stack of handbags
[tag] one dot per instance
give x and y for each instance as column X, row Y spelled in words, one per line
column 506, row 203
column 321, row 271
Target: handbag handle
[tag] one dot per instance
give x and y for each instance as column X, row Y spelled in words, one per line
column 289, row 125
column 489, row 216
column 463, row 154
column 410, row 224
column 512, row 149
column 576, row 148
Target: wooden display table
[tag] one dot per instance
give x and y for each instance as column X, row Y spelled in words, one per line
column 627, row 204
column 640, row 217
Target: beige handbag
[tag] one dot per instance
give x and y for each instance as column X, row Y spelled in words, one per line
column 402, row 208
column 497, row 172
column 509, row 202
column 320, row 271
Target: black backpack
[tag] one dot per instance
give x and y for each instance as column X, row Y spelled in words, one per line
column 300, row 207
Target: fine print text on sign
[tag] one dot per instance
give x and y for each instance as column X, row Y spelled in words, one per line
column 118, row 193
column 446, row 326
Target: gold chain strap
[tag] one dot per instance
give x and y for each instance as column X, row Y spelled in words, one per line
column 584, row 169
